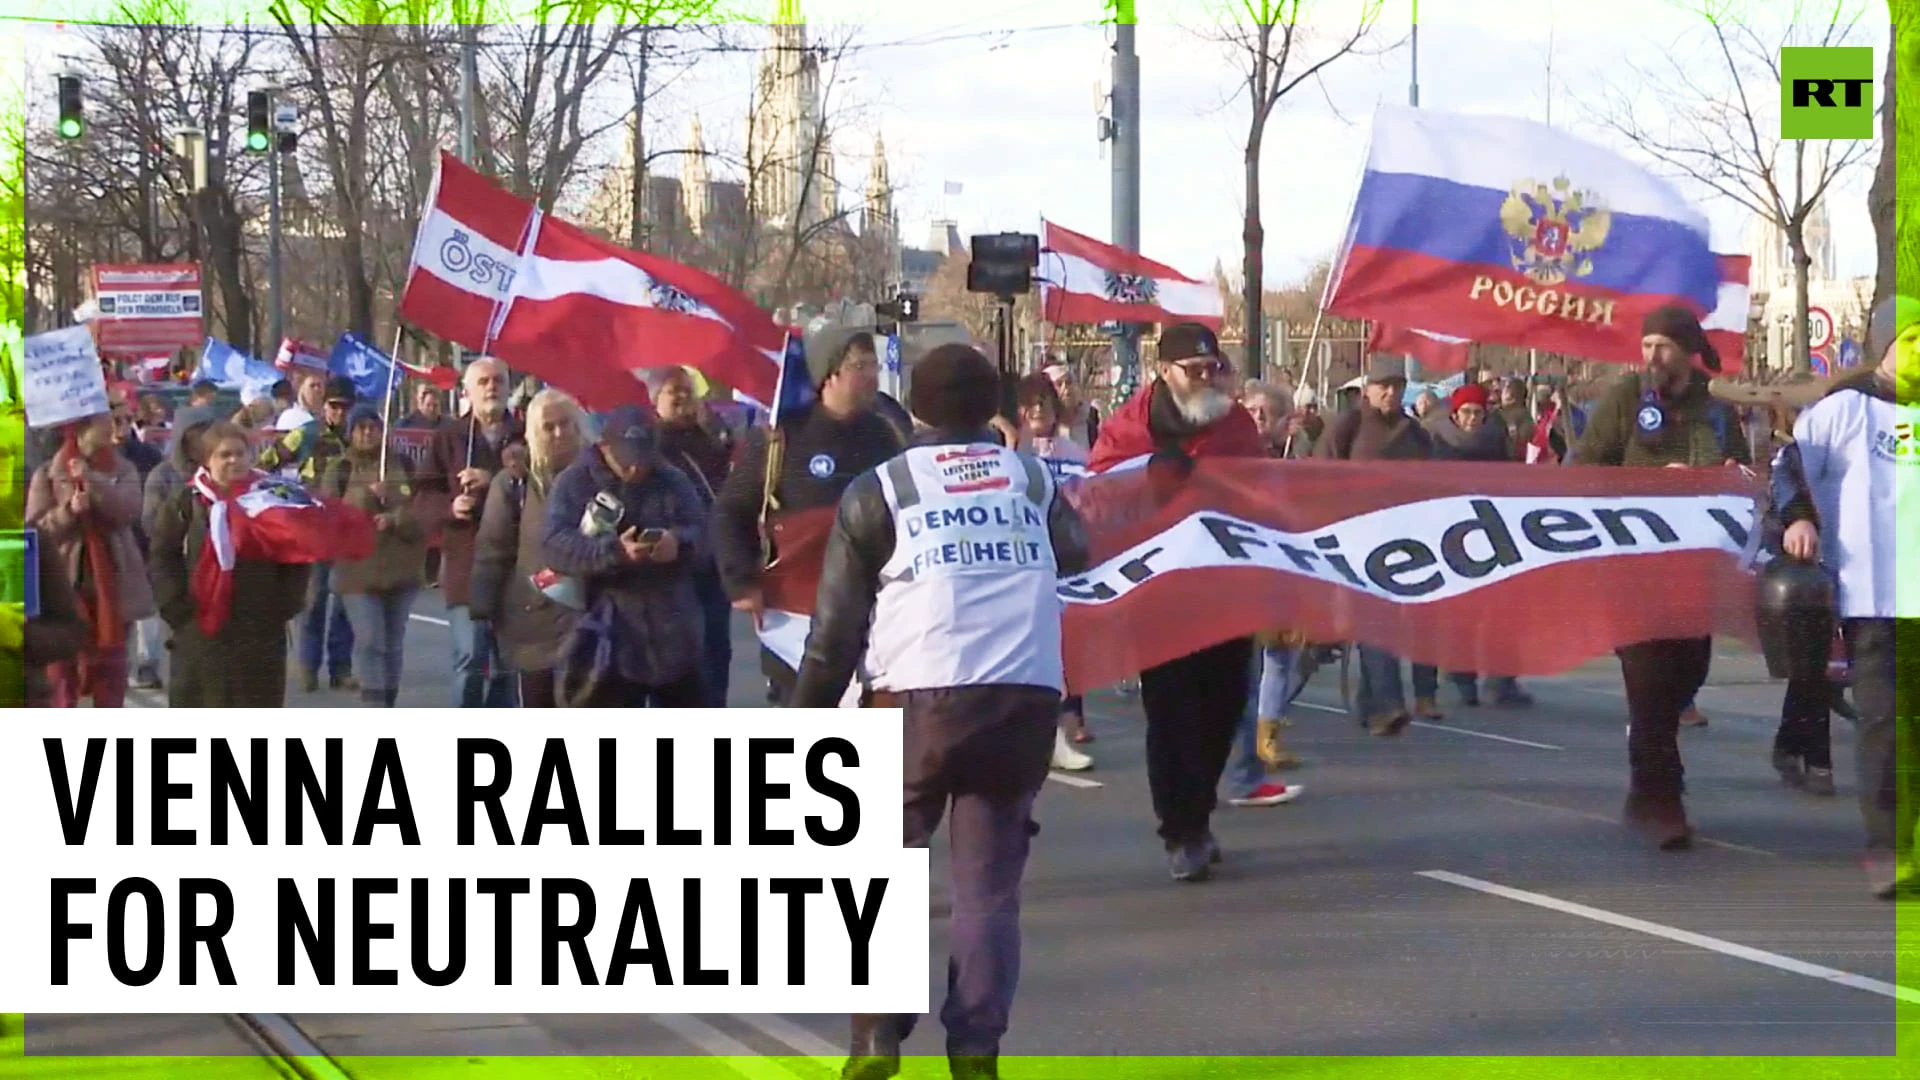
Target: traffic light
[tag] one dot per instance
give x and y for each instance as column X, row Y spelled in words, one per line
column 259, row 133
column 904, row 307
column 73, row 120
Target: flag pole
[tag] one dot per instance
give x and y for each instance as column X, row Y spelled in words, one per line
column 386, row 406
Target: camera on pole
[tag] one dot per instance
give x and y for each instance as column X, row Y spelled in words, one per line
column 73, row 118
column 286, row 123
column 259, row 137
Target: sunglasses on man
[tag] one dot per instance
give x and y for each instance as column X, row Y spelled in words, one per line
column 1203, row 367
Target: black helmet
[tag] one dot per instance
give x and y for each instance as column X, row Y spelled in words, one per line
column 1796, row 607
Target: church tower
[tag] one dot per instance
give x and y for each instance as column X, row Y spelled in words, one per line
column 876, row 220
column 696, row 195
column 790, row 164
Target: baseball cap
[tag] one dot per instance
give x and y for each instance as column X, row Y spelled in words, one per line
column 627, row 435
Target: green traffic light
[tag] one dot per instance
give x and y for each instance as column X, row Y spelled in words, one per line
column 257, row 142
column 71, row 127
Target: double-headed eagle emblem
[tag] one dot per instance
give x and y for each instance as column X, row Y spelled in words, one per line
column 1554, row 229
column 1130, row 288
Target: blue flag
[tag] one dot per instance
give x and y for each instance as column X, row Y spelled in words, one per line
column 795, row 388
column 230, row 369
column 369, row 368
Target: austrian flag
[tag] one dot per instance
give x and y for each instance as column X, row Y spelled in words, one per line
column 270, row 519
column 1087, row 282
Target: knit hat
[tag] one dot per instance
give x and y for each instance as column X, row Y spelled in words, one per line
column 363, row 413
column 1889, row 321
column 1186, row 341
column 1682, row 327
column 827, row 345
column 955, row 388
column 1469, row 394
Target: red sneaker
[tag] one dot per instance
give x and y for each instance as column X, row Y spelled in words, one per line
column 1268, row 795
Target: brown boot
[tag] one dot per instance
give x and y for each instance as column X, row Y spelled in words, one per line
column 1427, row 708
column 1392, row 723
column 1662, row 819
column 1272, row 752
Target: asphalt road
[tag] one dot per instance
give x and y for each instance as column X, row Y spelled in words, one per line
column 1464, row 889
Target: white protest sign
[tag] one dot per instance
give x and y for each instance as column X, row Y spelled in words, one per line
column 61, row 378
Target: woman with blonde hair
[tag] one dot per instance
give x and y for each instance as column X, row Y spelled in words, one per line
column 530, row 608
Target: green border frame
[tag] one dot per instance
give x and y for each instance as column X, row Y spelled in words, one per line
column 15, row 1063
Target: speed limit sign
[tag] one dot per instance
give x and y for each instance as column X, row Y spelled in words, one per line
column 1819, row 328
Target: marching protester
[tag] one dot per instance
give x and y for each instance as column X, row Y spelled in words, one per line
column 31, row 648
column 324, row 635
column 1304, row 426
column 1077, row 415
column 181, row 461
column 971, row 653
column 378, row 591
column 242, row 661
column 1278, row 670
column 1381, row 430
column 462, row 459
column 309, row 386
column 149, row 637
column 85, row 502
column 805, row 465
column 1044, row 435
column 692, row 443
column 1194, row 703
column 1463, row 433
column 428, row 411
column 1663, row 416
column 631, row 527
column 1515, row 413
column 1857, row 454
column 528, row 622
column 257, row 409
column 1803, row 743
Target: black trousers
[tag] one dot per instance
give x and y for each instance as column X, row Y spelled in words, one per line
column 977, row 756
column 1886, row 693
column 1806, row 729
column 1193, row 708
column 1661, row 679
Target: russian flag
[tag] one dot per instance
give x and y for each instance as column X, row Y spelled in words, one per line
column 1506, row 231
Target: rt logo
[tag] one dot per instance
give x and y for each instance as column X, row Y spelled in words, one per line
column 1826, row 93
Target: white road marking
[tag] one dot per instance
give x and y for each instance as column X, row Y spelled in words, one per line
column 782, row 1030
column 1487, row 735
column 1437, row 727
column 430, row 619
column 1708, row 840
column 1073, row 781
column 1684, row 937
column 744, row 1059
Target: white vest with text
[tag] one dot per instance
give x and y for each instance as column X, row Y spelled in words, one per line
column 968, row 597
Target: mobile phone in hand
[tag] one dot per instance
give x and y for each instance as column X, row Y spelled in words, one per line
column 650, row 537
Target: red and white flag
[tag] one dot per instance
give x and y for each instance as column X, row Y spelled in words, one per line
column 1084, row 281
column 295, row 354
column 1436, row 353
column 1540, row 446
column 272, row 519
column 1467, row 566
column 494, row 274
column 598, row 314
column 1726, row 325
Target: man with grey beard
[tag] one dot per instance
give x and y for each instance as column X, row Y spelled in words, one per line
column 1193, row 703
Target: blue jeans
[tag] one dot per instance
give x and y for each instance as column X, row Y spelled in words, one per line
column 1275, row 683
column 379, row 631
column 1380, row 692
column 481, row 677
column 323, row 627
column 1499, row 687
column 716, row 666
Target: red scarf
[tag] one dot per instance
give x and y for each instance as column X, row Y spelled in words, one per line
column 99, row 606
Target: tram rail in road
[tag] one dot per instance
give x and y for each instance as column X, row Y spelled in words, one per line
column 281, row 1042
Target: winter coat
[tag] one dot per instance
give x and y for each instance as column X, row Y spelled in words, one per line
column 245, row 664
column 171, row 475
column 447, row 454
column 1488, row 442
column 507, row 553
column 1694, row 429
column 55, row 636
column 1367, row 434
column 658, row 623
column 399, row 554
column 116, row 507
column 1149, row 424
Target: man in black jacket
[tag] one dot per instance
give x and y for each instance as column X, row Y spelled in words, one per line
column 941, row 571
column 820, row 450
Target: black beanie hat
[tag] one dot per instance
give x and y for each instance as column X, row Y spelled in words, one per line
column 1187, row 340
column 954, row 389
column 1682, row 327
